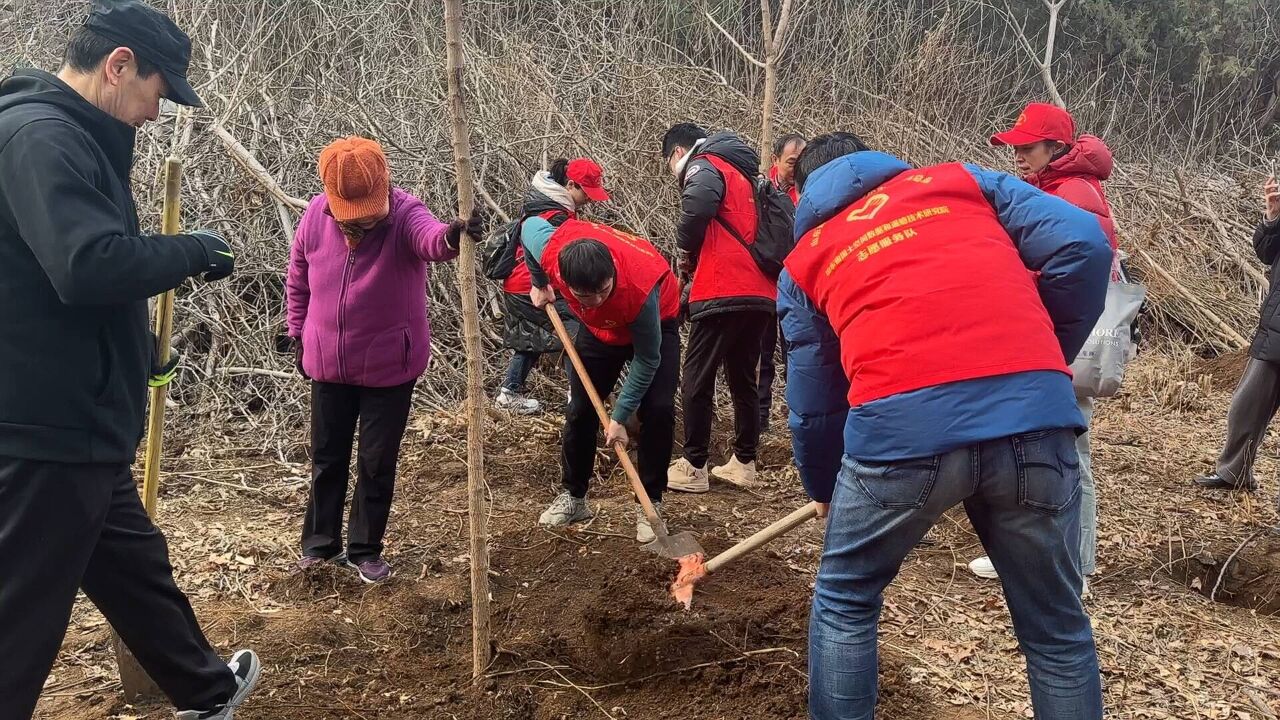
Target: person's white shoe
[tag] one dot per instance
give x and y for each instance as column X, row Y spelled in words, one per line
column 644, row 529
column 983, row 568
column 565, row 510
column 682, row 476
column 1086, row 593
column 737, row 473
column 516, row 403
column 246, row 668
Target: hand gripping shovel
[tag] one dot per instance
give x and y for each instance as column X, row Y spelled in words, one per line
column 693, row 569
column 676, row 546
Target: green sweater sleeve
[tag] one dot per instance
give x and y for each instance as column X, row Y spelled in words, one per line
column 535, row 233
column 646, row 338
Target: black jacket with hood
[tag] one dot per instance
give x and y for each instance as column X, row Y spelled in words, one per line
column 1266, row 340
column 731, row 281
column 526, row 328
column 75, row 275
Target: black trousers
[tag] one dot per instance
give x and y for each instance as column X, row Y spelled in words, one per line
column 1253, row 405
column 733, row 340
column 65, row 527
column 382, row 414
column 769, row 343
column 657, row 412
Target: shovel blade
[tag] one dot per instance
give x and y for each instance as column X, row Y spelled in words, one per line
column 674, row 546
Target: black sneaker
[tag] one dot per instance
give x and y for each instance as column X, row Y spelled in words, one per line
column 1214, row 481
column 246, row 667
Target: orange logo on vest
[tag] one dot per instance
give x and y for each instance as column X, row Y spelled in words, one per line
column 869, row 208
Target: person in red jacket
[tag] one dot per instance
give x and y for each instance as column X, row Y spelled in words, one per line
column 731, row 300
column 554, row 196
column 625, row 295
column 1052, row 157
column 786, row 151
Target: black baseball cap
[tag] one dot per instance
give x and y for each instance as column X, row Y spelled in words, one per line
column 153, row 36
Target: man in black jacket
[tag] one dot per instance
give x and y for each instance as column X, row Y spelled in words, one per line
column 731, row 300
column 1257, row 396
column 75, row 357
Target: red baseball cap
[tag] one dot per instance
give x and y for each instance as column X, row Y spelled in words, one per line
column 1039, row 121
column 589, row 177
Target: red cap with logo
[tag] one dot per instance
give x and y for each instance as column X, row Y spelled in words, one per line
column 589, row 177
column 1039, row 121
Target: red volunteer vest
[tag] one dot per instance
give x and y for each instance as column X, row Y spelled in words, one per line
column 725, row 268
column 924, row 287
column 520, row 282
column 639, row 266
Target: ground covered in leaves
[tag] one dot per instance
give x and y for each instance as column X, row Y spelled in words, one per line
column 583, row 627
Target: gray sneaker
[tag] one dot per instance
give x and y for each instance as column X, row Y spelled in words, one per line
column 564, row 510
column 246, row 668
column 644, row 529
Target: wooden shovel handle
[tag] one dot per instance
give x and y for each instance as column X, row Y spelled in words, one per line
column 753, row 543
column 636, row 486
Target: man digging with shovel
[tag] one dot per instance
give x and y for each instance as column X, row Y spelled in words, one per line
column 624, row 293
column 75, row 355
column 927, row 368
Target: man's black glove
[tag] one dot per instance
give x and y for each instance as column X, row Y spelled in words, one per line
column 296, row 345
column 474, row 226
column 220, row 261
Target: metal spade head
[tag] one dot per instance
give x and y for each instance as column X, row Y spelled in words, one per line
column 673, row 546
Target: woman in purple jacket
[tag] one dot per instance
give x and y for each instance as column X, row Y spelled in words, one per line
column 357, row 313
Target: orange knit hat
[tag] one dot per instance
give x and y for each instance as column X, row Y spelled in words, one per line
column 356, row 179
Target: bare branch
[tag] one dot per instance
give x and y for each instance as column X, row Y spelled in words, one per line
column 750, row 58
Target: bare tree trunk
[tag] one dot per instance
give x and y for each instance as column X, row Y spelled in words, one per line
column 773, row 39
column 481, row 648
column 1046, row 67
column 770, row 84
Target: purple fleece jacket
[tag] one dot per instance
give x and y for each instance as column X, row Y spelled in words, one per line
column 362, row 314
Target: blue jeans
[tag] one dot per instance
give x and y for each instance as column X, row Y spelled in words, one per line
column 1022, row 494
column 522, row 363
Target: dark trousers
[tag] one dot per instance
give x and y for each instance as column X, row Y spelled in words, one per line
column 657, row 412
column 65, row 527
column 382, row 414
column 733, row 340
column 769, row 343
column 1254, row 403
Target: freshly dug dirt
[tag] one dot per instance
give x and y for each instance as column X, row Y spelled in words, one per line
column 1225, row 369
column 1252, row 572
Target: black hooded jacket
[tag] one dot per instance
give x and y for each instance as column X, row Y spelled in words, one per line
column 75, row 275
column 1266, row 340
column 703, row 190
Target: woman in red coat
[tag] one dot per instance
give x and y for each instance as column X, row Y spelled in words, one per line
column 1052, row 157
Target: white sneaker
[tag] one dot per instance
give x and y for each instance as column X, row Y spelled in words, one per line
column 516, row 403
column 737, row 473
column 564, row 510
column 983, row 568
column 682, row 476
column 1086, row 593
column 247, row 669
column 644, row 530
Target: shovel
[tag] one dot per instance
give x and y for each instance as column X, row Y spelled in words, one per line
column 678, row 546
column 693, row 569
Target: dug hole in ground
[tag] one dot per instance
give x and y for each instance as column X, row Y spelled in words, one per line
column 584, row 628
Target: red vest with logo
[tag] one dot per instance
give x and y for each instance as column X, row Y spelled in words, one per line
column 725, row 268
column 924, row 287
column 639, row 267
column 520, row 282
